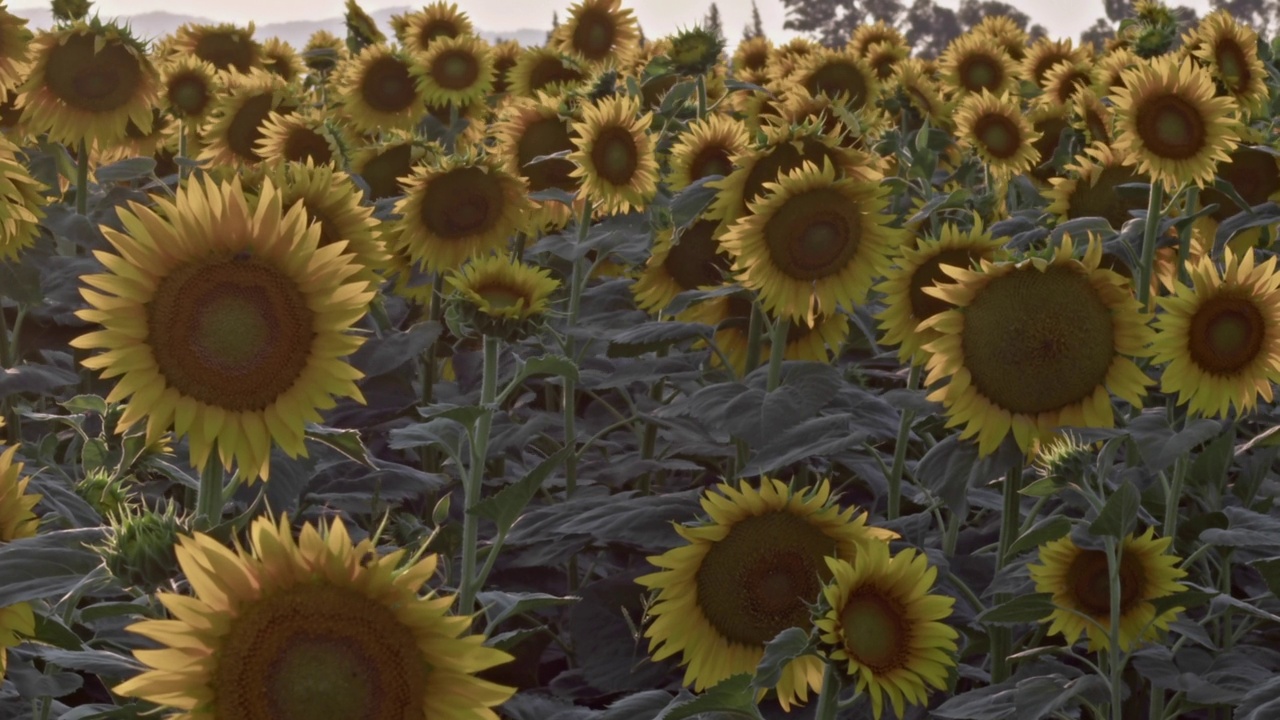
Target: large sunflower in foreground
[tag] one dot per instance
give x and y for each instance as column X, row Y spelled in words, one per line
column 1221, row 335
column 918, row 267
column 224, row 321
column 1034, row 346
column 21, row 203
column 16, row 521
column 615, row 155
column 813, row 243
column 748, row 574
column 1171, row 125
column 1081, row 588
column 378, row 91
column 460, row 209
column 87, row 81
column 320, row 627
column 886, row 629
column 998, row 132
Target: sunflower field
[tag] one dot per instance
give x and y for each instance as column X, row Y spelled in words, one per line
column 409, row 375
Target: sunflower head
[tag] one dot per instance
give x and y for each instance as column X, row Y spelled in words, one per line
column 318, row 627
column 877, row 33
column 1094, row 187
column 885, row 628
column 505, row 55
column 382, row 165
column 695, row 51
column 436, row 21
column 598, row 31
column 301, row 137
column 884, row 57
column 528, row 129
column 544, row 70
column 1079, row 581
column 71, row 11
column 362, row 29
column 922, row 93
column 689, row 261
column 1045, row 53
column 378, row 91
column 225, row 46
column 455, row 70
column 191, row 86
column 748, row 573
column 706, row 147
column 22, row 203
column 750, row 60
column 1004, row 33
column 500, row 296
column 1229, row 49
column 974, row 63
column 14, row 41
column 1066, row 79
column 998, row 131
column 16, row 517
column 615, row 155
column 279, row 58
column 838, row 74
column 1092, row 117
column 236, row 124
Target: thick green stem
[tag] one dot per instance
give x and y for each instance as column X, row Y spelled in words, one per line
column 570, row 404
column 1001, row 638
column 829, row 697
column 755, row 333
column 900, row 449
column 209, row 497
column 701, row 85
column 1191, row 205
column 473, row 486
column 1171, row 502
column 1115, row 662
column 82, row 179
column 777, row 349
column 1150, row 231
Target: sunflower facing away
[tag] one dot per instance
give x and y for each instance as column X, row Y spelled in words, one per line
column 226, row 46
column 502, row 294
column 917, row 267
column 225, row 322
column 1254, row 173
column 747, row 575
column 1170, row 124
column 706, row 147
column 321, row 627
column 382, row 165
column 16, row 521
column 813, row 243
column 1092, row 188
column 21, row 203
column 886, row 627
column 615, row 155
column 378, row 91
column 998, row 131
column 1221, row 335
column 1034, row 346
column 87, row 81
column 1079, row 582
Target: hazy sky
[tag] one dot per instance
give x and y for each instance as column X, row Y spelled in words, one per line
column 657, row 17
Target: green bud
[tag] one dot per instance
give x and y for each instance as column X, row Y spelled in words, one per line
column 140, row 552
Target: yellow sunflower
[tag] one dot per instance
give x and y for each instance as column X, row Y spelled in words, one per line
column 1066, row 79
column 505, row 55
column 842, row 75
column 750, row 60
column 1092, row 117
column 190, row 86
column 224, row 321
column 300, row 137
column 688, row 262
column 1170, row 124
column 922, row 93
column 323, row 52
column 1004, row 33
column 885, row 57
column 315, row 627
column 279, row 58
column 22, row 203
column 973, row 63
column 503, row 289
column 456, row 210
column 813, row 243
column 917, row 267
column 1080, row 583
column 615, row 155
column 748, row 574
column 785, row 58
column 706, row 147
column 1034, row 346
column 1229, row 49
column 1110, row 69
column 235, row 125
column 16, row 521
column 996, row 129
column 1049, row 119
column 455, row 70
column 865, row 36
column 886, row 627
column 1221, row 335
column 1091, row 188
column 598, row 32
column 1045, row 53
column 86, row 82
column 435, row 21
column 14, row 41
column 226, row 46
column 544, row 70
column 382, row 165
column 530, row 128
column 378, row 92
column 1255, row 175
column 798, row 107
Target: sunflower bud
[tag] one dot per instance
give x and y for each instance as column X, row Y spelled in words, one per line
column 104, row 493
column 140, row 552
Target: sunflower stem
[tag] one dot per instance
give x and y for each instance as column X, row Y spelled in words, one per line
column 701, row 85
column 209, row 496
column 900, row 448
column 755, row 332
column 1190, row 207
column 1150, row 230
column 777, row 349
column 1001, row 639
column 1115, row 662
column 829, row 697
column 1170, row 528
column 82, row 179
column 428, row 456
column 570, row 404
column 474, row 485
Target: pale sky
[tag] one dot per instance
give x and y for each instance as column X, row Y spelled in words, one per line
column 657, row 17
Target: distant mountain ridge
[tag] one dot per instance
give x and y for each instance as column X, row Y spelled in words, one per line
column 155, row 24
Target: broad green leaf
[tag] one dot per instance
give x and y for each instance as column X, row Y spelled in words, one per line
column 504, row 507
column 735, row 697
column 1032, row 607
column 787, row 646
column 1119, row 515
column 344, row 440
column 1046, row 530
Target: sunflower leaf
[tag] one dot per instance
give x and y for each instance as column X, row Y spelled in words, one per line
column 507, row 504
column 733, row 696
column 345, row 441
column 1021, row 609
column 48, row 565
column 126, row 170
column 1119, row 515
column 1046, row 530
column 787, row 646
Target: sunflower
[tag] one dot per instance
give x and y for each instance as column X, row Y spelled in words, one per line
column 785, row 58
column 1254, row 173
column 543, row 70
column 813, row 242
column 1229, row 49
column 236, row 123
column 884, row 58
column 1004, row 33
column 750, row 60
column 838, row 75
column 996, row 129
column 224, row 321
column 14, row 41
column 225, row 46
column 531, row 128
column 159, row 141
column 922, row 93
column 688, row 262
column 455, row 70
column 323, row 52
column 1080, row 583
column 1092, row 188
column 362, row 29
column 973, row 63
column 1049, row 119
column 837, row 122
column 1092, row 117
column 378, row 91
column 459, row 209
column 190, row 86
column 1221, row 335
column 747, row 575
column 706, row 147
column 279, row 58
column 332, row 201
column 505, row 54
column 1109, row 71
column 865, row 36
column 917, row 267
column 886, row 626
column 317, row 627
column 16, row 521
column 300, row 137
column 86, row 82
column 1044, row 54
column 1066, row 79
column 504, row 290
column 1034, row 346
column 436, row 21
column 1170, row 124
column 382, row 165
column 615, row 155
column 598, row 32
column 21, row 203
